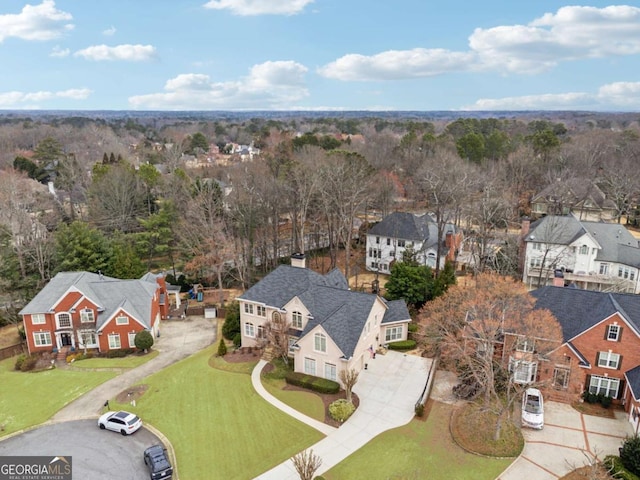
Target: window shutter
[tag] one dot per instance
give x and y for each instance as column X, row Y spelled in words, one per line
column 620, row 333
column 587, row 383
column 598, row 359
column 619, row 363
column 606, row 332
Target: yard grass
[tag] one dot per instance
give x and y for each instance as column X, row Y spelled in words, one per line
column 213, row 418
column 130, row 361
column 31, row 398
column 305, row 402
column 419, row 450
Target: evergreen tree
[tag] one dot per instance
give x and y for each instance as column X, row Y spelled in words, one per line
column 80, row 247
column 222, row 348
column 231, row 325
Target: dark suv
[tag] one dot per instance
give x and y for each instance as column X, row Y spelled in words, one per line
column 155, row 458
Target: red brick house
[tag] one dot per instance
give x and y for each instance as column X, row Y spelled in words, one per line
column 78, row 310
column 601, row 346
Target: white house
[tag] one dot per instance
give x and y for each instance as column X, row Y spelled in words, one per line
column 562, row 250
column 388, row 239
column 330, row 328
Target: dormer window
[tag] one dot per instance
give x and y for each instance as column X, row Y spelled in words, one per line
column 613, row 333
column 584, row 250
column 296, row 321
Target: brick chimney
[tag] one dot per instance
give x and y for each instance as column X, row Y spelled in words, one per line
column 299, row 260
column 558, row 278
column 524, row 229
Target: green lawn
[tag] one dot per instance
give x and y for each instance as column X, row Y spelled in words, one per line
column 31, row 398
column 416, row 451
column 218, row 425
column 130, row 361
column 305, row 402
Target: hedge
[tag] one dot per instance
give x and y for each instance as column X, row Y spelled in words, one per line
column 614, row 465
column 402, row 345
column 317, row 384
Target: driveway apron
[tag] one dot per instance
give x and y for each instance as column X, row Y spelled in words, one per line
column 388, row 391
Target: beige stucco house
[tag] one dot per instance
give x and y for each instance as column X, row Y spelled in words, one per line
column 330, row 328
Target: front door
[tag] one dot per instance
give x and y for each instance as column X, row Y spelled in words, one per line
column 65, row 338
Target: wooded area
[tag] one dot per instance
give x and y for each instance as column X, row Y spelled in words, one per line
column 220, row 202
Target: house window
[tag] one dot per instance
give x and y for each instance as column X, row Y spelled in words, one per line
column 114, row 340
column 604, row 269
column 608, row 360
column 384, row 267
column 86, row 315
column 584, row 250
column 392, row 253
column 122, row 320
column 523, row 371
column 297, row 320
column 604, row 385
column 378, row 240
column 132, row 339
column 393, row 333
column 320, row 342
column 87, row 338
column 374, row 264
column 38, row 318
column 535, row 263
column 401, row 243
column 64, row 320
column 388, row 241
column 261, row 333
column 330, row 372
column 261, row 310
column 538, row 246
column 42, row 339
column 309, row 366
column 248, row 308
column 561, row 378
column 613, row 333
column 249, row 330
column 291, row 342
column 524, row 345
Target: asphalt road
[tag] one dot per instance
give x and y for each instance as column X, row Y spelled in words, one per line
column 95, row 454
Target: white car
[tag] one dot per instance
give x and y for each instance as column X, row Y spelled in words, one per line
column 124, row 422
column 532, row 409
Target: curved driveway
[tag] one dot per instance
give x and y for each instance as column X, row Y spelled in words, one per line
column 388, row 391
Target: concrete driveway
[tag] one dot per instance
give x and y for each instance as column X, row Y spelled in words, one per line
column 388, row 391
column 95, row 454
column 178, row 339
column 568, row 441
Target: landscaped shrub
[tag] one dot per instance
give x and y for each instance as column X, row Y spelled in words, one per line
column 419, row 409
column 222, row 348
column 616, row 469
column 29, row 363
column 413, row 327
column 237, row 340
column 606, row 401
column 340, row 410
column 143, row 340
column 630, row 454
column 402, row 345
column 317, row 384
column 19, row 361
column 123, row 352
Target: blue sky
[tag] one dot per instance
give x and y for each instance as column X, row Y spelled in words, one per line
column 319, row 55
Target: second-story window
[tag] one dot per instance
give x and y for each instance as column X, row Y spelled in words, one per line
column 613, row 333
column 262, row 311
column 320, row 342
column 86, row 315
column 296, row 320
column 608, row 359
column 604, row 269
column 524, row 345
column 584, row 250
column 64, row 320
column 248, row 308
column 401, row 243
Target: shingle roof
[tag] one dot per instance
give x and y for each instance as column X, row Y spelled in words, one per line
column 135, row 296
column 578, row 310
column 342, row 313
column 555, row 229
column 574, row 191
column 403, row 225
column 397, row 311
column 633, row 379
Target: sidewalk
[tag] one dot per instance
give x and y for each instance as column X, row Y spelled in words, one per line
column 387, row 390
column 178, row 340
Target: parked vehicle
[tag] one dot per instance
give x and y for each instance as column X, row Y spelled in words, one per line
column 155, row 458
column 532, row 409
column 124, row 422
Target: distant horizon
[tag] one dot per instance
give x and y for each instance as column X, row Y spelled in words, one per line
column 319, row 56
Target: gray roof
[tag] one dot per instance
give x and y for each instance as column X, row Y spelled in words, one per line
column 397, row 311
column 111, row 294
column 409, row 226
column 578, row 310
column 342, row 313
column 574, row 191
column 616, row 242
column 633, row 379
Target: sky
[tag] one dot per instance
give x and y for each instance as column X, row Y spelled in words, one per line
column 400, row 55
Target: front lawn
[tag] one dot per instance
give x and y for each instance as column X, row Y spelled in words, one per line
column 130, row 361
column 218, row 425
column 419, row 450
column 31, row 398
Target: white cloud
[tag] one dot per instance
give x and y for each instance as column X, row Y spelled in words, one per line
column 621, row 95
column 270, row 85
column 572, row 33
column 259, row 7
column 58, row 51
column 36, row 22
column 130, row 53
column 109, row 31
column 397, row 64
column 26, row 100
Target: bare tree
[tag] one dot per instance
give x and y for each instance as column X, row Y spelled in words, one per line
column 348, row 379
column 275, row 336
column 306, row 464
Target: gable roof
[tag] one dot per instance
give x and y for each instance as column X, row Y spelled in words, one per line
column 342, row 313
column 633, row 379
column 555, row 229
column 579, row 310
column 111, row 294
column 403, row 225
column 574, row 191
